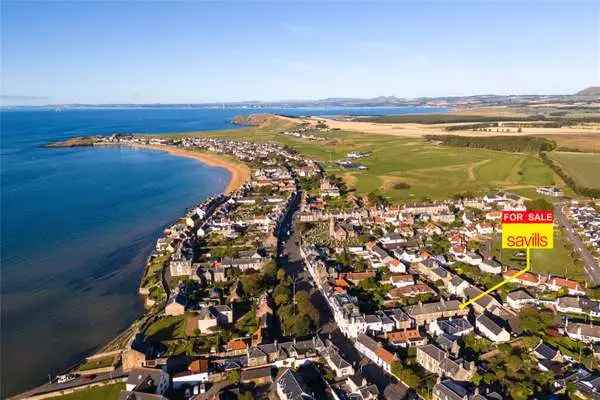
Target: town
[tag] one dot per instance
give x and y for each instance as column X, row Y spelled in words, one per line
column 293, row 287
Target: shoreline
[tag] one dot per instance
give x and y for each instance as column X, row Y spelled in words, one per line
column 239, row 173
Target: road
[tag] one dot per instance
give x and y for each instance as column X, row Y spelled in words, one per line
column 291, row 260
column 117, row 374
column 590, row 265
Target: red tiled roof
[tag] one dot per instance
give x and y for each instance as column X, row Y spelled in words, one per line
column 567, row 283
column 527, row 276
column 385, row 355
column 404, row 336
column 236, row 345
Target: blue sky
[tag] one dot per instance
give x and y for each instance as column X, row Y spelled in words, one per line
column 92, row 52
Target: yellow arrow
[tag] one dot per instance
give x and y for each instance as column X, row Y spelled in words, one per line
column 493, row 288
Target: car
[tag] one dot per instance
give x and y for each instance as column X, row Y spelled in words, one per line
column 66, row 378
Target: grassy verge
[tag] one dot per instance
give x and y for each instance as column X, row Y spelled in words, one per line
column 97, row 363
column 108, row 392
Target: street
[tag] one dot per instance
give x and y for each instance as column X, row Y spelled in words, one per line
column 589, row 263
column 290, row 259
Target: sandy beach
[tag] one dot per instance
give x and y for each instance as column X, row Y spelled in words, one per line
column 239, row 171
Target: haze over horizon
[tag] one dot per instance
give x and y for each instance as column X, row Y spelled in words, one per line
column 106, row 53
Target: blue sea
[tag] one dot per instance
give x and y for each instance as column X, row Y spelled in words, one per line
column 77, row 224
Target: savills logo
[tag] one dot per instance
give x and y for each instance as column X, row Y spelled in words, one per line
column 527, row 229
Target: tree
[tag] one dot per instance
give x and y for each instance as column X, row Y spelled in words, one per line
column 521, row 391
column 535, row 321
column 282, row 295
column 245, row 396
column 252, row 284
column 233, row 376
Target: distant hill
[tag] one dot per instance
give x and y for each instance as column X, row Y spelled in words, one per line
column 590, row 91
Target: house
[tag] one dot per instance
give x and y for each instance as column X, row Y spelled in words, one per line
column 574, row 288
column 491, row 329
column 356, row 277
column 551, row 191
column 400, row 318
column 290, row 386
column 147, row 380
column 197, row 372
column 585, row 332
column 544, row 352
column 258, row 376
column 237, row 347
column 244, row 264
column 210, row 317
column 375, row 352
column 328, row 189
column 449, row 389
column 439, row 362
column 338, row 364
column 423, row 313
column 525, row 279
column 490, row 266
column 519, row 299
column 453, row 327
column 578, row 305
column 410, row 291
column 256, row 357
column 406, row 338
column 181, row 267
column 401, row 280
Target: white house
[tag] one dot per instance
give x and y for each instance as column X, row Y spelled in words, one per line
column 491, row 330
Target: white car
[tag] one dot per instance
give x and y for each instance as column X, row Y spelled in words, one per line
column 65, row 378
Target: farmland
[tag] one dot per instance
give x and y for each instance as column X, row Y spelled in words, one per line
column 582, row 167
column 432, row 171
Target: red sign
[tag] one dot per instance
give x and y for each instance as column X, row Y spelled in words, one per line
column 527, row 217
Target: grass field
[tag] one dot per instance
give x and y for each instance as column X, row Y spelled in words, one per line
column 432, row 171
column 583, row 167
column 97, row 363
column 108, row 392
column 557, row 261
column 166, row 328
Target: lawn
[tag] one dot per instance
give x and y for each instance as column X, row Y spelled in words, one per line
column 557, row 261
column 108, row 392
column 167, row 328
column 432, row 171
column 583, row 167
column 97, row 363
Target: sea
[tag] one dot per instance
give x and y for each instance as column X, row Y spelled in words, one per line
column 77, row 224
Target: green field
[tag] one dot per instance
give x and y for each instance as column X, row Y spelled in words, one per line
column 108, row 392
column 166, row 328
column 432, row 171
column 97, row 363
column 583, row 167
column 557, row 261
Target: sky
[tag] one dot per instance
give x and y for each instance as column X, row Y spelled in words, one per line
column 191, row 52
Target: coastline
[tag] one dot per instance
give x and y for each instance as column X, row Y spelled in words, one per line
column 239, row 172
